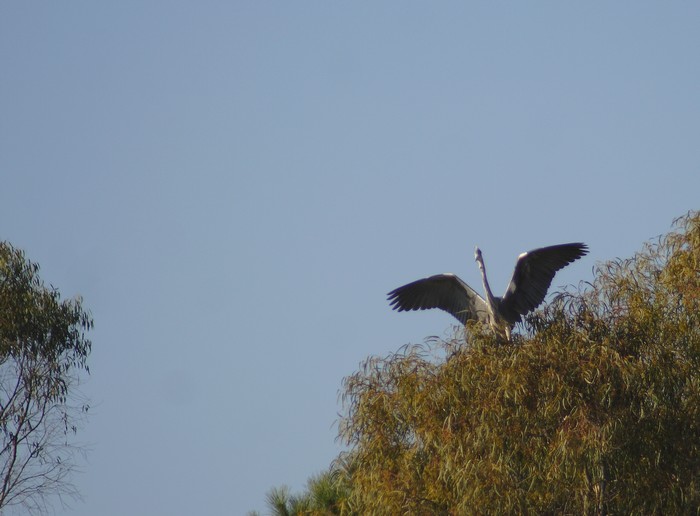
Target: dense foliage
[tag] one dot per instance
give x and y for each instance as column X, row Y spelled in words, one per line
column 42, row 348
column 594, row 409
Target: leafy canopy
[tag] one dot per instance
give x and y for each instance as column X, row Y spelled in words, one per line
column 595, row 409
column 43, row 345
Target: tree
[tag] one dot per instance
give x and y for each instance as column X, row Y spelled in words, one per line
column 594, row 409
column 43, row 348
column 325, row 495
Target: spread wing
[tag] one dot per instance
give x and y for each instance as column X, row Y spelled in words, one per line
column 533, row 274
column 444, row 291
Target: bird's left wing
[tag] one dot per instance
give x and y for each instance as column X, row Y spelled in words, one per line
column 444, row 291
column 533, row 274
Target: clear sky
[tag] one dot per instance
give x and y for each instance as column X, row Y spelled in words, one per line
column 234, row 186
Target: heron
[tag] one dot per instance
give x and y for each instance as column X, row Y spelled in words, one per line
column 533, row 274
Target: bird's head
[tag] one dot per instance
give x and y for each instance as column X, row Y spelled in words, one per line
column 477, row 255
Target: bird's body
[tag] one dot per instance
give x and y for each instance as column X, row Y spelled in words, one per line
column 527, row 289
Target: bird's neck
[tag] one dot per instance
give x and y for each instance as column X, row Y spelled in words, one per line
column 498, row 323
column 491, row 299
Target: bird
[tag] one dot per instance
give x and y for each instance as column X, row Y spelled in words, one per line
column 533, row 274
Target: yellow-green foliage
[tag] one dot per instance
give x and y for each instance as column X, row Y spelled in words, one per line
column 595, row 409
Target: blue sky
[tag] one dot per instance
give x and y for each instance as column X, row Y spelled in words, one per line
column 233, row 187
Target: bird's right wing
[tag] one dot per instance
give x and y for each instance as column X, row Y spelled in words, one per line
column 533, row 274
column 444, row 291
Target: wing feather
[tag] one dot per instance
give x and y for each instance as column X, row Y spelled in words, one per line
column 533, row 274
column 444, row 291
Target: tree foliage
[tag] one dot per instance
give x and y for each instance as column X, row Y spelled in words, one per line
column 326, row 494
column 594, row 409
column 42, row 348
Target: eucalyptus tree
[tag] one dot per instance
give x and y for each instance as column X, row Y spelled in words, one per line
column 43, row 349
column 596, row 411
